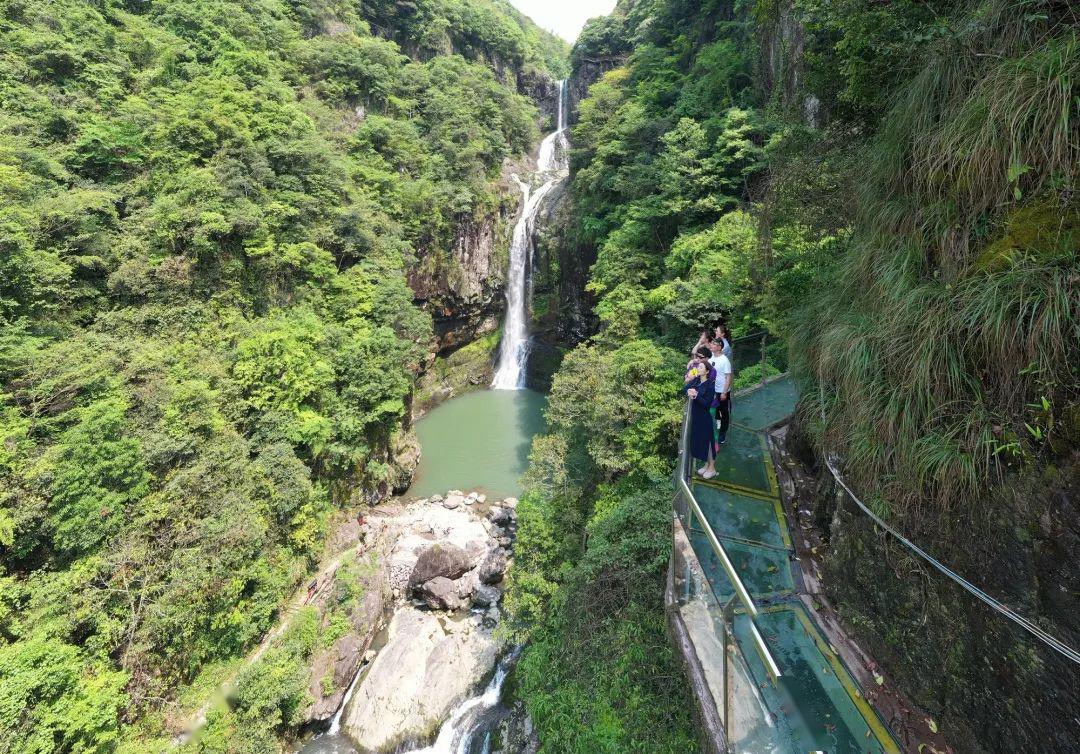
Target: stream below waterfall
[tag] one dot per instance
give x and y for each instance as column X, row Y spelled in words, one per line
column 467, row 730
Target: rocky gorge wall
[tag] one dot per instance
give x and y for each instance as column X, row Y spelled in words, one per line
column 465, row 290
column 413, row 598
column 988, row 684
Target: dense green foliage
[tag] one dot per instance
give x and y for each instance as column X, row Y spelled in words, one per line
column 268, row 697
column 207, row 210
column 891, row 188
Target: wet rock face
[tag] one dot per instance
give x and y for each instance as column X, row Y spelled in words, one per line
column 486, row 596
column 463, row 289
column 333, row 669
column 515, row 733
column 563, row 308
column 493, row 567
column 428, row 666
column 338, row 664
column 1021, row 543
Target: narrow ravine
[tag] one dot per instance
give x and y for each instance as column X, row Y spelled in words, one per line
column 551, row 167
column 462, row 440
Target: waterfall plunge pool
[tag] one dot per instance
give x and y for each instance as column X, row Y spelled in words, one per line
column 478, row 441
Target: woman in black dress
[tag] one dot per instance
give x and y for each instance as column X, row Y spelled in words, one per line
column 700, row 388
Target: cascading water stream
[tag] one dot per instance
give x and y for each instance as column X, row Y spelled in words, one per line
column 335, row 723
column 456, row 734
column 551, row 167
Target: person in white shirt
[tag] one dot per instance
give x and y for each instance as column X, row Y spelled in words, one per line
column 721, row 332
column 724, row 377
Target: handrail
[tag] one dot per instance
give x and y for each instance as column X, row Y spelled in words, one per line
column 1032, row 628
column 743, row 594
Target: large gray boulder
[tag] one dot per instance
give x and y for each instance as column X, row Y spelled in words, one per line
column 441, row 559
column 486, row 596
column 499, row 516
column 424, row 670
column 493, row 567
column 440, row 594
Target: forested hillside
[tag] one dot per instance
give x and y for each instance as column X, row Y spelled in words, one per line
column 891, row 189
column 207, row 342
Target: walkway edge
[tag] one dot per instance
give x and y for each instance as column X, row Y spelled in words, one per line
column 710, row 724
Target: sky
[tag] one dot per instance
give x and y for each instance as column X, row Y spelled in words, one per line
column 564, row 17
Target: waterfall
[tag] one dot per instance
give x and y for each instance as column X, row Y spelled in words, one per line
column 457, row 732
column 551, row 167
column 335, row 723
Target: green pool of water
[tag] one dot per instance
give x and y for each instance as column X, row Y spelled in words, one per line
column 478, row 441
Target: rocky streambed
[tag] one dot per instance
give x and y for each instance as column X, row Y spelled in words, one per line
column 422, row 668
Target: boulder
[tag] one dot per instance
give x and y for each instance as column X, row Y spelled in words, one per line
column 453, row 502
column 466, row 585
column 458, row 527
column 416, row 680
column 440, row 559
column 499, row 516
column 510, row 502
column 486, row 595
column 440, row 593
column 493, row 566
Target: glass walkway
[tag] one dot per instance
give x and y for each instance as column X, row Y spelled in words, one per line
column 776, row 683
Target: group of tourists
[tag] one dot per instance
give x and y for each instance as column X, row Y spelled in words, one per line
column 708, row 383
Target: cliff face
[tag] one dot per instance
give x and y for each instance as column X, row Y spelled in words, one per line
column 588, row 71
column 463, row 290
column 988, row 685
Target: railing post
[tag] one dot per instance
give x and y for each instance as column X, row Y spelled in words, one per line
column 764, row 342
column 728, row 626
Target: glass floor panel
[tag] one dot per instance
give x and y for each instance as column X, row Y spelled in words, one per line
column 766, row 405
column 742, row 461
column 815, row 705
column 764, row 571
column 732, row 514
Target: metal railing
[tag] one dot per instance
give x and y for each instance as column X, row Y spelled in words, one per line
column 742, row 595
